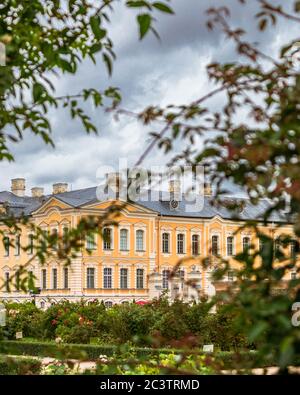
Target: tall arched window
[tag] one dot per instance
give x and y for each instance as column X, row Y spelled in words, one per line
column 166, row 243
column 215, row 249
column 91, row 242
column 246, row 244
column 107, row 239
column 229, row 246
column 124, row 240
column 140, row 240
column 180, row 243
column 195, row 245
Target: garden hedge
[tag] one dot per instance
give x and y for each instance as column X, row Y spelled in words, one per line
column 19, row 366
column 61, row 351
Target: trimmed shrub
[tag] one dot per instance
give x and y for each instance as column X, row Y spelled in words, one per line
column 16, row 366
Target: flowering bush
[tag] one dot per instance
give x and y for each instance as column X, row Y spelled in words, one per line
column 157, row 324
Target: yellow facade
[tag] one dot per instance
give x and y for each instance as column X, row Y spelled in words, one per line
column 133, row 267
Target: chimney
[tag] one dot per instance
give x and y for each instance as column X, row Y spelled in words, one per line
column 18, row 186
column 60, row 187
column 37, row 192
column 175, row 189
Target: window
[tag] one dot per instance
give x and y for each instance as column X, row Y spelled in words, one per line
column 166, row 243
column 230, row 275
column 181, row 276
column 90, row 278
column 54, row 238
column 6, row 243
column 108, row 304
column 65, row 236
column 123, row 278
column 262, row 245
column 30, row 244
column 44, row 279
column 180, row 243
column 215, row 245
column 90, row 242
column 229, row 246
column 195, row 245
column 66, row 277
column 139, row 278
column 293, row 275
column 42, row 305
column 7, row 282
column 54, row 278
column 31, row 280
column 17, row 280
column 107, row 278
column 107, row 239
column 17, row 245
column 246, row 244
column 277, row 245
column 140, row 240
column 165, row 279
column 294, row 248
column 123, row 239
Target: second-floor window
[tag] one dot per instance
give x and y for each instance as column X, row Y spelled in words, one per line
column 215, row 249
column 139, row 278
column 195, row 245
column 123, row 239
column 91, row 242
column 30, row 244
column 123, row 278
column 107, row 239
column 90, row 278
column 6, row 244
column 180, row 243
column 66, row 277
column 229, row 246
column 246, row 244
column 54, row 278
column 107, row 277
column 166, row 243
column 44, row 279
column 139, row 240
column 17, row 245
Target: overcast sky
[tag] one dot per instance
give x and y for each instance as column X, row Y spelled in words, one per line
column 149, row 72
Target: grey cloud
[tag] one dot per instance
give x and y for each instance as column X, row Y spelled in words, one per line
column 148, row 72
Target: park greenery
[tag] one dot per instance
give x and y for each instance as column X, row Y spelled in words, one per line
column 53, row 37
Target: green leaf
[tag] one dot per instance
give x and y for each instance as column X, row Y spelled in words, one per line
column 37, row 91
column 163, row 7
column 108, row 63
column 144, row 21
column 138, row 4
column 95, row 23
column 257, row 330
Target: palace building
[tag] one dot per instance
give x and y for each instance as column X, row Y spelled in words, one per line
column 133, row 263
